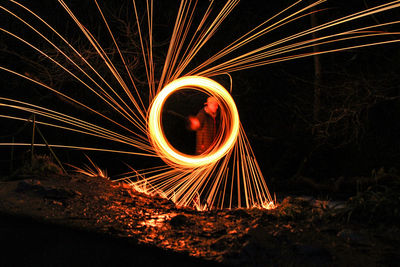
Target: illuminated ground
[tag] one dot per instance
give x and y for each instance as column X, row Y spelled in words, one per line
column 64, row 220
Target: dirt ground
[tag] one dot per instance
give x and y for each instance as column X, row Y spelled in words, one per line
column 68, row 220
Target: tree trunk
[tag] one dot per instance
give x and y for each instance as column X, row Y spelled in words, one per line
column 317, row 73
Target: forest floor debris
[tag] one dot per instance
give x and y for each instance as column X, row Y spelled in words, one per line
column 300, row 231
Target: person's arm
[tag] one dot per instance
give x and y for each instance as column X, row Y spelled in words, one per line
column 195, row 123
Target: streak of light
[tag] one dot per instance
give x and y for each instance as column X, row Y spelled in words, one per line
column 94, row 129
column 258, row 57
column 123, row 113
column 226, row 176
column 156, row 134
column 80, row 148
column 91, row 170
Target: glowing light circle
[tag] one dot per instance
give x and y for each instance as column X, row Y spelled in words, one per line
column 156, row 135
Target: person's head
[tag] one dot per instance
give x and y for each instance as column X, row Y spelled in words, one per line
column 212, row 104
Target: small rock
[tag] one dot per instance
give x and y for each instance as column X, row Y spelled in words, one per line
column 222, row 243
column 241, row 213
column 215, row 232
column 58, row 203
column 305, row 198
column 179, row 221
column 28, row 185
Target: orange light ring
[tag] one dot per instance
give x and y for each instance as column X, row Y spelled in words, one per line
column 156, row 134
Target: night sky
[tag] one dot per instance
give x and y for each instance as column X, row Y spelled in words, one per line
column 356, row 132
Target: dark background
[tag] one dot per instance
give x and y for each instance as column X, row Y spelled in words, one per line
column 356, row 131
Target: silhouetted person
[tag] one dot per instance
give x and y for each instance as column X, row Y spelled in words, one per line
column 205, row 124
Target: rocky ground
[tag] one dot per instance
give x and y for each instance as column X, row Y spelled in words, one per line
column 58, row 220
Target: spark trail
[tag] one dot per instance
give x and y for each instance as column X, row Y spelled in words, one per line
column 228, row 175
